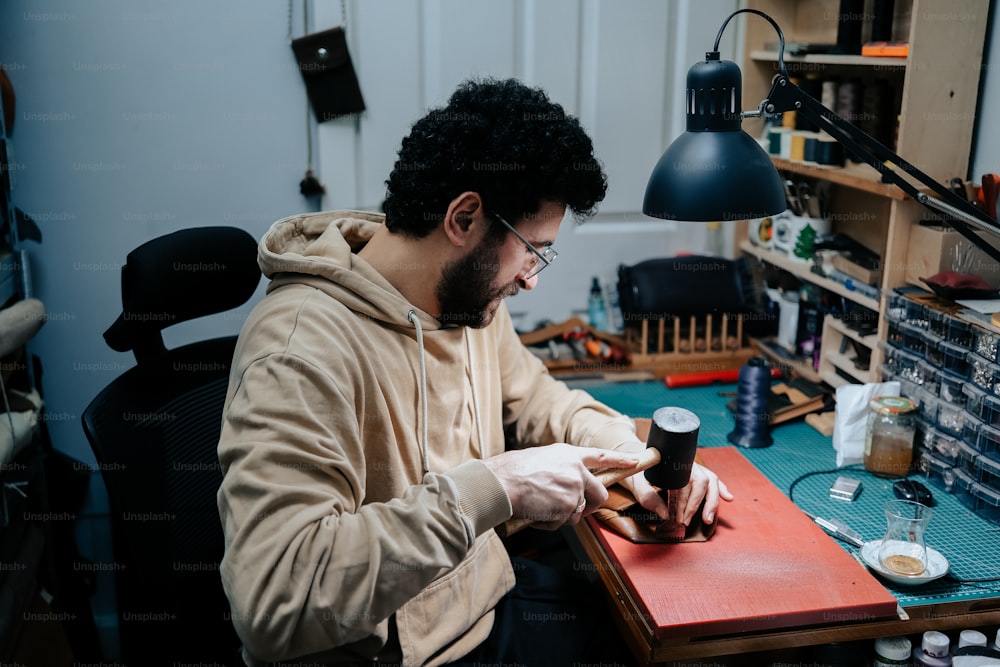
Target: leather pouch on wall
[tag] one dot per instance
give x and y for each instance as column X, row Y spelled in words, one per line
column 619, row 514
column 331, row 83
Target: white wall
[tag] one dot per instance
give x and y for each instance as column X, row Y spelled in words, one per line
column 619, row 66
column 135, row 118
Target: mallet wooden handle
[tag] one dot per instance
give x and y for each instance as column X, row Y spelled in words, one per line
column 608, row 477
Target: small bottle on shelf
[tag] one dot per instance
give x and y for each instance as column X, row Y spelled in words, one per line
column 934, row 650
column 892, row 652
column 972, row 638
column 596, row 311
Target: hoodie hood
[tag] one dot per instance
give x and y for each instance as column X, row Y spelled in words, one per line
column 319, row 250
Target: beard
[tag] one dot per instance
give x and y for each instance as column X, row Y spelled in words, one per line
column 466, row 290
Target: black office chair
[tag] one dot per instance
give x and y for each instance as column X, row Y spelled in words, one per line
column 155, row 430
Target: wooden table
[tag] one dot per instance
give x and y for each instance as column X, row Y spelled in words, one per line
column 970, row 543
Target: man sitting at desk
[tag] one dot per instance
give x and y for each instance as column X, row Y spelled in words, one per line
column 363, row 443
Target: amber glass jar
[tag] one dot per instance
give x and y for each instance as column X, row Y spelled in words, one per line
column 889, row 436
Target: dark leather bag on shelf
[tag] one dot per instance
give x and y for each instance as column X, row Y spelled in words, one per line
column 328, row 72
column 686, row 285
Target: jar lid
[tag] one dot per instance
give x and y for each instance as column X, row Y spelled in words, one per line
column 935, row 644
column 893, row 648
column 892, row 405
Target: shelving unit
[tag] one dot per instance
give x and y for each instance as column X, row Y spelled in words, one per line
column 936, row 86
column 836, row 361
column 803, row 271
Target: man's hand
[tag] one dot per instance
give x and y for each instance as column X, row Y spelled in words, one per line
column 552, row 486
column 703, row 485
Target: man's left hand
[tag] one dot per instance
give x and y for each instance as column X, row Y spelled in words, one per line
column 703, row 485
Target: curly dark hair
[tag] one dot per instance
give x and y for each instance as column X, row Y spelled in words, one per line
column 502, row 139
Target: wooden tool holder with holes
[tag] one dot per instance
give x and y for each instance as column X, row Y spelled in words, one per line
column 691, row 344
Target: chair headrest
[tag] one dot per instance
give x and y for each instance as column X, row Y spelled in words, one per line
column 182, row 276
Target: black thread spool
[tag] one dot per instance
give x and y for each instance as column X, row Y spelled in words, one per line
column 850, row 22
column 753, row 392
column 882, row 17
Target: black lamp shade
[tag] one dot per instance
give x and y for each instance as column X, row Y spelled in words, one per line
column 715, row 170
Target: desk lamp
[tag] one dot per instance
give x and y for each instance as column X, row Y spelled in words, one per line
column 715, row 171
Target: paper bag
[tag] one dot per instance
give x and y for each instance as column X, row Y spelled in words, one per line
column 851, row 418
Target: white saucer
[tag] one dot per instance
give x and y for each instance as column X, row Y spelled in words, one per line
column 937, row 566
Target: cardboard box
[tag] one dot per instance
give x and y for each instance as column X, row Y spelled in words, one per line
column 933, row 249
column 856, row 271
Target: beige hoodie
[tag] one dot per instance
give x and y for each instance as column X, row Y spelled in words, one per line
column 357, row 513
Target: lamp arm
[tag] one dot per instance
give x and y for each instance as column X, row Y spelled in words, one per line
column 774, row 24
column 960, row 214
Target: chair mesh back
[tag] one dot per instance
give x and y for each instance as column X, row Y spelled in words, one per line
column 155, row 431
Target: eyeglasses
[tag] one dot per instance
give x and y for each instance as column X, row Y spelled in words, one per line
column 542, row 257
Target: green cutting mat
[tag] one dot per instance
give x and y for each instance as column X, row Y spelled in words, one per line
column 971, row 544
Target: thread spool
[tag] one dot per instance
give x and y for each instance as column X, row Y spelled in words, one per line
column 774, row 139
column 828, row 96
column 809, row 150
column 877, row 115
column 798, row 148
column 753, row 393
column 882, row 16
column 812, row 85
column 850, row 23
column 829, row 151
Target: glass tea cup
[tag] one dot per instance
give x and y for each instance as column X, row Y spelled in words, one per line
column 903, row 550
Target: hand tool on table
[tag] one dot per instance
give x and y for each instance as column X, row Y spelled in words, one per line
column 666, row 463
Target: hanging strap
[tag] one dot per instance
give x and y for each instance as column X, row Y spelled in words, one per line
column 305, row 17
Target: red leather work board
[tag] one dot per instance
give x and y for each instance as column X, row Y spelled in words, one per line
column 767, row 566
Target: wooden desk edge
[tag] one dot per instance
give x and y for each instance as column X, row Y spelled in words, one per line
column 638, row 633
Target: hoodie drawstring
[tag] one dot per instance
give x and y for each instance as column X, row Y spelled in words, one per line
column 475, row 396
column 412, row 316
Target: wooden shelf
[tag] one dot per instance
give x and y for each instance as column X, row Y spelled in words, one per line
column 831, row 59
column 852, row 175
column 802, row 270
column 870, row 341
column 833, row 360
column 798, row 365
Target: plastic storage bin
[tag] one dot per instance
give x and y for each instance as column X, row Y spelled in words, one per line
column 982, row 405
column 942, row 446
column 938, row 472
column 987, row 502
column 950, row 417
column 986, row 343
column 950, row 387
column 915, row 313
column 890, row 358
column 958, row 332
column 984, row 373
column 988, row 472
column 970, row 430
column 954, row 357
column 961, row 488
column 966, row 460
column 895, row 306
column 987, row 442
column 912, row 338
column 933, row 348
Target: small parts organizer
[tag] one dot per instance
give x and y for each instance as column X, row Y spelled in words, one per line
column 950, row 366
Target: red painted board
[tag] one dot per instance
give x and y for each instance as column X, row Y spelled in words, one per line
column 767, row 566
